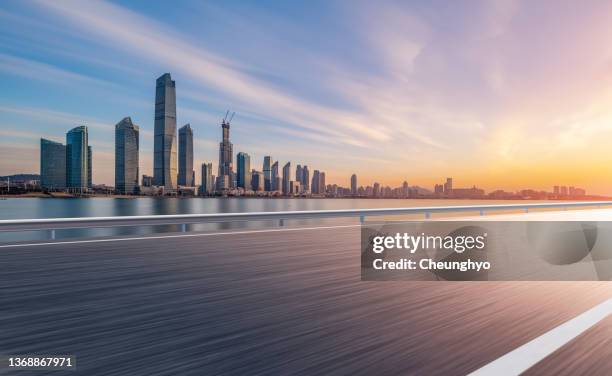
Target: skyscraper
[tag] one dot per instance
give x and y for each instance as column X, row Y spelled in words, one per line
column 322, row 182
column 354, row 185
column 78, row 172
column 276, row 180
column 207, row 179
column 298, row 174
column 305, row 179
column 405, row 189
column 267, row 173
column 244, row 170
column 126, row 156
column 225, row 158
column 257, row 180
column 315, row 182
column 52, row 165
column 287, row 178
column 164, row 143
column 185, row 168
column 448, row 186
column 89, row 167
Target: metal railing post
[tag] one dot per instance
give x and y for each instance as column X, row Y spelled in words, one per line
column 52, row 234
column 362, row 219
column 281, row 222
column 184, row 227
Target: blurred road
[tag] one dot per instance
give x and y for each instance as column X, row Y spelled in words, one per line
column 283, row 303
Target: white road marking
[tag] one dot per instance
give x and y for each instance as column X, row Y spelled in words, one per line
column 175, row 236
column 524, row 357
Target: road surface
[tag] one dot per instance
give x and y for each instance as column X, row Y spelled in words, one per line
column 274, row 302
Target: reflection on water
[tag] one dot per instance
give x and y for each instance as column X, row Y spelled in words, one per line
column 23, row 208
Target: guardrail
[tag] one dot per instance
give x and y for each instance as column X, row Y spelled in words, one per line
column 52, row 224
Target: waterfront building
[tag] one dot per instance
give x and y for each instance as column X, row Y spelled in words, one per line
column 126, row 156
column 376, row 190
column 287, row 178
column 206, row 188
column 78, row 161
column 298, row 174
column 314, row 188
column 147, row 181
column 305, row 179
column 276, row 180
column 267, row 172
column 448, row 186
column 52, row 165
column 257, row 181
column 185, row 165
column 243, row 160
column 164, row 141
column 226, row 158
column 322, row 185
column 354, row 185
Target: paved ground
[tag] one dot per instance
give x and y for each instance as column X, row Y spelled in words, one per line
column 274, row 303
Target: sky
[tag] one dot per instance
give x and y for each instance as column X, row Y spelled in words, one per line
column 498, row 94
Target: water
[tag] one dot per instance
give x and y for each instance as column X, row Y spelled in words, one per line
column 25, row 208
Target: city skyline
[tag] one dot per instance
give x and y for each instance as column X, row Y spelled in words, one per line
column 387, row 103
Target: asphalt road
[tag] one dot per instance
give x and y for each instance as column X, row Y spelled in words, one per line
column 278, row 303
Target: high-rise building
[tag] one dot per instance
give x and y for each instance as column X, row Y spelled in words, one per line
column 89, row 167
column 448, row 186
column 185, row 167
column 287, row 178
column 78, row 171
column 226, row 158
column 314, row 188
column 267, row 173
column 322, row 182
column 376, row 190
column 305, row 179
column 257, row 180
column 354, row 185
column 52, row 165
column 405, row 190
column 126, row 156
column 243, row 160
column 164, row 142
column 276, row 180
column 299, row 174
column 206, row 188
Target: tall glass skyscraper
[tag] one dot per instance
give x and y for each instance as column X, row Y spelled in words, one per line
column 267, row 173
column 164, row 143
column 225, row 158
column 126, row 156
column 276, row 180
column 354, row 185
column 244, row 170
column 78, row 161
column 52, row 164
column 305, row 178
column 185, row 174
column 287, row 178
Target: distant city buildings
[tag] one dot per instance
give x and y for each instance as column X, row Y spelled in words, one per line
column 126, row 156
column 207, row 185
column 69, row 167
column 267, row 172
column 243, row 160
column 78, row 160
column 52, row 165
column 186, row 175
column 287, row 178
column 225, row 176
